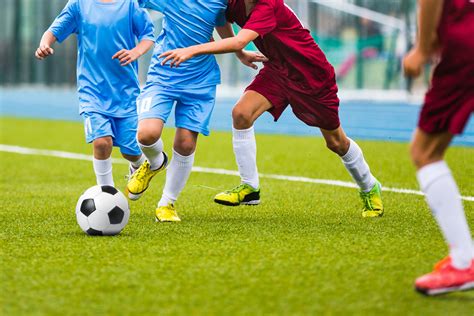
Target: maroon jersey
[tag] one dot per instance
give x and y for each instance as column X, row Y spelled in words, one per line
column 450, row 101
column 290, row 48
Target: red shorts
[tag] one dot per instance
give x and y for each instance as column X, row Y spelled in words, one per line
column 446, row 109
column 315, row 107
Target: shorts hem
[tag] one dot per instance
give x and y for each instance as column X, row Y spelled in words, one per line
column 194, row 129
column 433, row 131
column 129, row 153
column 99, row 136
column 152, row 117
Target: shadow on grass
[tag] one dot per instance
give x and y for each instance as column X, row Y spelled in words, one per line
column 454, row 297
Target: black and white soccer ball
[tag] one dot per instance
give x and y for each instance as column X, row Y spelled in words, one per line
column 102, row 211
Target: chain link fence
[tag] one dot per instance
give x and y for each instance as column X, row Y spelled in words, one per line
column 365, row 53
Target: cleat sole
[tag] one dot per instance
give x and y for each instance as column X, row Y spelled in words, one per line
column 465, row 287
column 368, row 214
column 248, row 203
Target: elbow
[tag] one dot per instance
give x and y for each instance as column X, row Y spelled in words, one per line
column 240, row 44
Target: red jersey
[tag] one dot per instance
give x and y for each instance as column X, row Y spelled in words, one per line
column 450, row 101
column 456, row 37
column 290, row 48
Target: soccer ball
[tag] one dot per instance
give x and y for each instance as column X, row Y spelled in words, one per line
column 102, row 211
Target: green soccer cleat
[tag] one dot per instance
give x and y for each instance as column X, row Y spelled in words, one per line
column 243, row 194
column 372, row 201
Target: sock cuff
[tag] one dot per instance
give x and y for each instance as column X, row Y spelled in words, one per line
column 243, row 134
column 430, row 173
column 353, row 153
column 102, row 162
column 158, row 144
column 138, row 163
column 183, row 160
column 102, row 167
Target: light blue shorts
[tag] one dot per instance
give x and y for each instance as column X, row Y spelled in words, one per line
column 122, row 130
column 193, row 109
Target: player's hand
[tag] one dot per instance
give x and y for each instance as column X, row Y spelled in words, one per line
column 177, row 56
column 413, row 63
column 249, row 58
column 44, row 51
column 126, row 57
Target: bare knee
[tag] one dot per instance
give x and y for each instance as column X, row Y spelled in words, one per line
column 242, row 118
column 103, row 147
column 147, row 137
column 422, row 157
column 185, row 146
column 149, row 131
column 339, row 146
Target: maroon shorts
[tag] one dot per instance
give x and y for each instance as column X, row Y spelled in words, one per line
column 446, row 109
column 317, row 107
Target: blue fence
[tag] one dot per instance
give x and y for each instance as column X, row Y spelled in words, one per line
column 386, row 121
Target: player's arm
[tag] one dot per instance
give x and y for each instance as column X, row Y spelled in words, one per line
column 144, row 31
column 63, row 26
column 127, row 57
column 44, row 50
column 227, row 45
column 429, row 18
column 246, row 57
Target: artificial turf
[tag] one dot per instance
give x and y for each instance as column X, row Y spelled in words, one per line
column 305, row 250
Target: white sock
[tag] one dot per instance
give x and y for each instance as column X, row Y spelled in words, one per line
column 134, row 165
column 177, row 175
column 245, row 150
column 103, row 171
column 154, row 154
column 358, row 167
column 442, row 195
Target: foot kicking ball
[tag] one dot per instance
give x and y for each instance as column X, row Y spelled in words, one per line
column 102, row 211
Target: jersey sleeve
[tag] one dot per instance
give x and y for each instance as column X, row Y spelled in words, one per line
column 221, row 18
column 66, row 22
column 262, row 19
column 143, row 25
column 157, row 5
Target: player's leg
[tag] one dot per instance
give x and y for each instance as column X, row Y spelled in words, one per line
column 245, row 113
column 125, row 131
column 177, row 174
column 135, row 162
column 353, row 158
column 102, row 161
column 98, row 130
column 443, row 197
column 154, row 108
column 192, row 114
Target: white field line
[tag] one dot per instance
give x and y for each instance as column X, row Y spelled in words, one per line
column 75, row 156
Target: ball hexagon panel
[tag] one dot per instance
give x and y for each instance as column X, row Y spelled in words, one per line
column 92, row 192
column 122, row 202
column 112, row 230
column 82, row 220
column 99, row 220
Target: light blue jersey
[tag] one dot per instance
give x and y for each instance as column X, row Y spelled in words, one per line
column 186, row 23
column 103, row 29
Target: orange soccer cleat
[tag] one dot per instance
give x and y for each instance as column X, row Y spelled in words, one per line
column 445, row 278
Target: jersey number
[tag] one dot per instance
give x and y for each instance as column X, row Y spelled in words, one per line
column 144, row 105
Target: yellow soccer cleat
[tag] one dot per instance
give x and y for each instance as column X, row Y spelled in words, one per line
column 167, row 214
column 372, row 201
column 140, row 180
column 243, row 194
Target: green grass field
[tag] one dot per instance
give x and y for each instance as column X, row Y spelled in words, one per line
column 305, row 250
